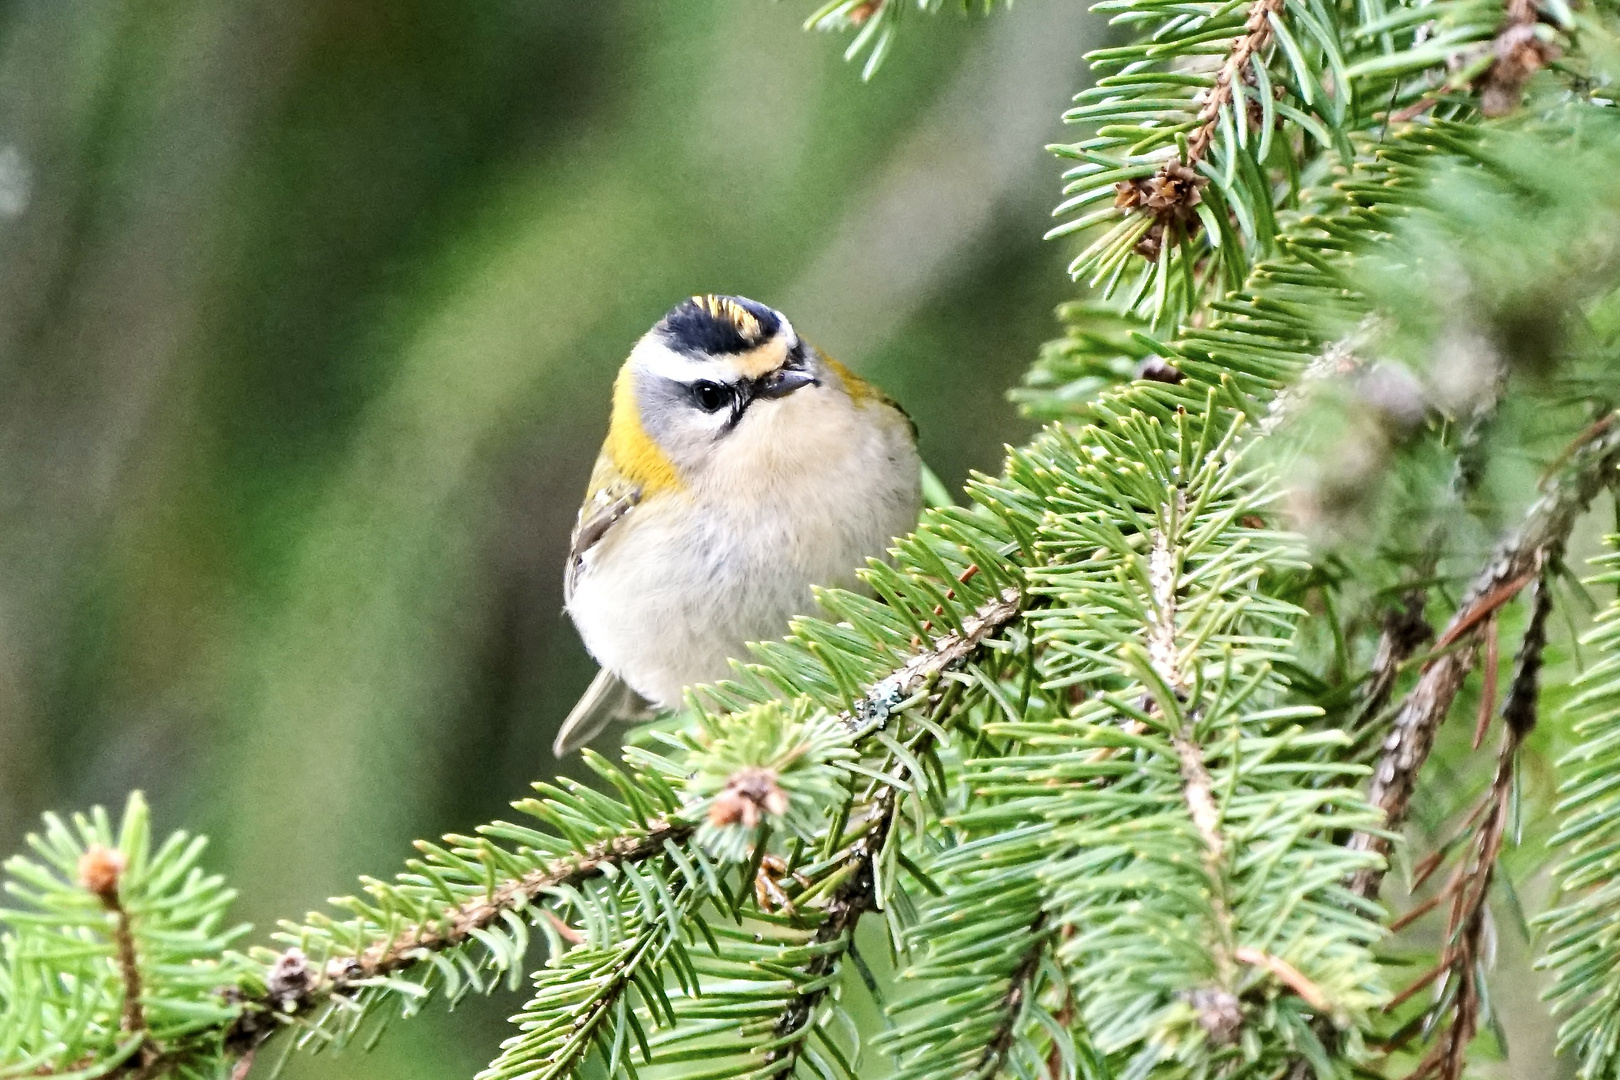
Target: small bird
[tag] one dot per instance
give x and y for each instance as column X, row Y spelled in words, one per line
column 741, row 468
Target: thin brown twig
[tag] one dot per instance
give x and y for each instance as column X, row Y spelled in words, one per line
column 1413, row 111
column 1487, row 697
column 1483, row 608
column 1468, row 891
column 134, row 1016
column 1285, row 973
column 1410, row 916
column 852, row 899
column 1426, row 868
column 1422, row 981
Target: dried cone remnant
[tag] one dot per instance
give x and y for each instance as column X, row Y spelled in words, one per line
column 1171, row 196
column 1519, row 55
column 1219, row 1013
column 290, row 980
column 750, row 794
column 1158, row 369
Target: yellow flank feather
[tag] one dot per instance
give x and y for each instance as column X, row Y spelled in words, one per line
column 633, row 455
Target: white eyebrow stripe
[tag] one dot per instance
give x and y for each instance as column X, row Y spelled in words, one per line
column 656, row 358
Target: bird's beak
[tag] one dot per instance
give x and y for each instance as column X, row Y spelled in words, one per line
column 783, row 381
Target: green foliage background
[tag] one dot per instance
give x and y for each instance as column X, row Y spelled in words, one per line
column 307, row 322
column 307, row 319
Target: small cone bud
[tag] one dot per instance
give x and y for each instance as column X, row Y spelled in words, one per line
column 99, row 870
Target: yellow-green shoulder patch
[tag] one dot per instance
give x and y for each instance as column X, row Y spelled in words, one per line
column 863, row 393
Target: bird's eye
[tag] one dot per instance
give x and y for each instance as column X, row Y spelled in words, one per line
column 711, row 397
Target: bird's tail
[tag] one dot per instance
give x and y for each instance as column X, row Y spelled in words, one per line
column 607, row 699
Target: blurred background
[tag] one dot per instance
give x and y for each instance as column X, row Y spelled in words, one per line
column 308, row 313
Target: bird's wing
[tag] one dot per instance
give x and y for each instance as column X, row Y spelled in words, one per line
column 611, row 496
column 607, row 699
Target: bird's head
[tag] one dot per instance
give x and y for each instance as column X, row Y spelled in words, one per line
column 717, row 378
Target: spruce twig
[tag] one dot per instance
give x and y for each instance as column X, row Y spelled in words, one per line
column 100, row 870
column 1456, row 1015
column 1517, row 560
column 459, row 926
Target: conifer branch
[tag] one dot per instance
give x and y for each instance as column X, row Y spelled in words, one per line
column 1462, row 960
column 946, row 652
column 1219, row 1012
column 1580, row 944
column 294, row 989
column 1535, row 547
